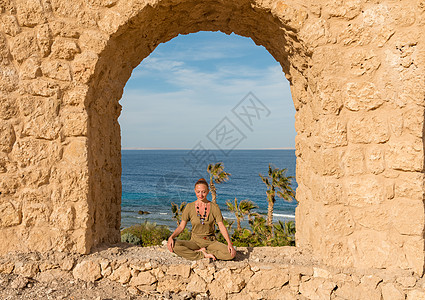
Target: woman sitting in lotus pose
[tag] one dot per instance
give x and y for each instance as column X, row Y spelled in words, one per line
column 203, row 243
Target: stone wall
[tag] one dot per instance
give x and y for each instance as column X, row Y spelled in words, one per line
column 357, row 82
column 259, row 273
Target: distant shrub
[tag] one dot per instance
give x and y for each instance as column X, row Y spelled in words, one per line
column 184, row 235
column 130, row 238
column 149, row 234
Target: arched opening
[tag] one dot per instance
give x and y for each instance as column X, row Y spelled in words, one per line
column 134, row 41
column 176, row 98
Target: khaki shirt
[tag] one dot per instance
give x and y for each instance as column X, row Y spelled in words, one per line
column 208, row 229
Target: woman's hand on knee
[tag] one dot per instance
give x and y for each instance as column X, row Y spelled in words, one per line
column 170, row 244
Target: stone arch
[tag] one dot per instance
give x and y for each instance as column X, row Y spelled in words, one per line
column 137, row 37
column 356, row 74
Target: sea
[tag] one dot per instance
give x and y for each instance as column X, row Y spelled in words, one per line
column 153, row 179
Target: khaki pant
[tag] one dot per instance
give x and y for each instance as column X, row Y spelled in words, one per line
column 187, row 249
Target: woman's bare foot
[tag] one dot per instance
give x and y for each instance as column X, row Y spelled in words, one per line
column 206, row 255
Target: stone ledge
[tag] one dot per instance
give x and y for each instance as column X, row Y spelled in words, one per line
column 256, row 273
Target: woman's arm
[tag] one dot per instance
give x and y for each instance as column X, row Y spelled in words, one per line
column 226, row 236
column 179, row 229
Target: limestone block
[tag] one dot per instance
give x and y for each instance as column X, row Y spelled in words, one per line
column 41, row 127
column 4, row 161
column 353, row 161
column 110, row 21
column 56, row 69
column 143, row 278
column 363, row 62
column 63, row 217
column 196, row 284
column 23, row 46
column 364, row 190
column 9, row 77
column 9, row 184
column 246, row 273
column 317, row 288
column 93, row 40
column 230, row 283
column 75, row 122
column 347, row 9
column 64, row 49
column 53, row 274
column 294, row 18
column 179, row 270
column 390, row 292
column 44, row 39
column 362, row 96
column 75, row 97
column 7, row 137
column 10, row 215
column 122, row 274
column 330, row 96
column 30, row 13
column 8, row 109
column 406, row 281
column 333, row 131
column 67, row 264
column 338, row 221
column 315, row 32
column 5, row 54
column 409, row 185
column 408, row 216
column 370, row 248
column 6, row 267
column 396, row 124
column 322, row 273
column 405, row 155
column 33, row 152
column 9, row 25
column 327, row 162
column 42, row 87
column 377, row 217
column 65, row 29
column 30, row 68
column 368, row 129
column 68, row 9
column 217, row 291
column 87, row 270
column 206, row 272
column 267, row 279
column 27, row 269
column 83, row 66
column 414, row 121
column 375, row 159
column 350, row 290
column 341, row 277
column 169, row 283
column 415, row 295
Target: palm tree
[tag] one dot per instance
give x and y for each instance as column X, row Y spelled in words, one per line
column 177, row 211
column 244, row 208
column 279, row 185
column 217, row 176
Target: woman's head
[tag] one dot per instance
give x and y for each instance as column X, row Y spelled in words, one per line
column 201, row 189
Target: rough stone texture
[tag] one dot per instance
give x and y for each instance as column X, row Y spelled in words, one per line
column 356, row 70
column 257, row 273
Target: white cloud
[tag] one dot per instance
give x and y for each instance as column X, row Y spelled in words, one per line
column 189, row 101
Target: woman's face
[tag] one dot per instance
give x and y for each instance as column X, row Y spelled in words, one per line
column 201, row 191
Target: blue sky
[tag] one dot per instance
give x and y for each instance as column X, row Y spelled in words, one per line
column 185, row 88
